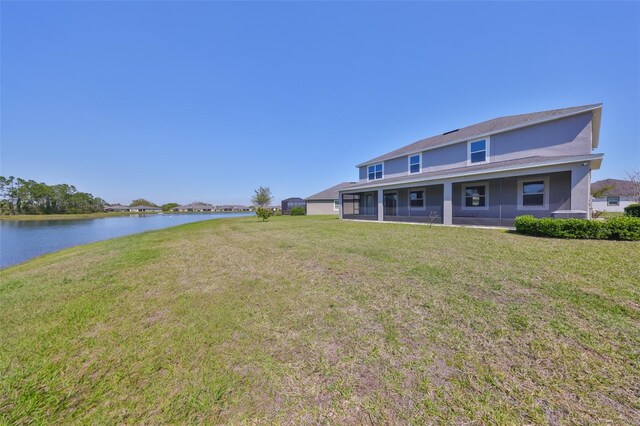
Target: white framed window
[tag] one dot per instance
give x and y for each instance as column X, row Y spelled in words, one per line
column 336, row 205
column 478, row 151
column 416, row 199
column 533, row 193
column 475, row 196
column 613, row 201
column 415, row 164
column 375, row 171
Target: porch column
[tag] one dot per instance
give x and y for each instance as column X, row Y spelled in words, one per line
column 380, row 206
column 447, row 210
column 341, row 202
column 580, row 187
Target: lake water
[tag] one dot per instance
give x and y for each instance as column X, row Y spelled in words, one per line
column 26, row 239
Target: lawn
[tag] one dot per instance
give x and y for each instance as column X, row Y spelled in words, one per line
column 315, row 320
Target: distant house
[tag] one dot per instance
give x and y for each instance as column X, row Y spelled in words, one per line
column 194, row 207
column 117, row 208
column 327, row 201
column 233, row 208
column 619, row 194
column 290, row 203
column 143, row 208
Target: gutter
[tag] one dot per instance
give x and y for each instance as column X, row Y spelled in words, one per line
column 594, row 159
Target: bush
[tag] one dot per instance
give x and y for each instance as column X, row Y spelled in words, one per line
column 298, row 211
column 263, row 213
column 632, row 210
column 617, row 228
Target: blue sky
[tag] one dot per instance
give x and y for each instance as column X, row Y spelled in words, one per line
column 184, row 101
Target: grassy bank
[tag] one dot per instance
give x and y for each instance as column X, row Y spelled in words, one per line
column 306, row 320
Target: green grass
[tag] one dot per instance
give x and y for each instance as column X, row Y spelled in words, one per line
column 314, row 320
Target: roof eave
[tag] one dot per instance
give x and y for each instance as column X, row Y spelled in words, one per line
column 594, row 163
column 596, row 133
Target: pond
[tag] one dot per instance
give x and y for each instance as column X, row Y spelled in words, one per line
column 25, row 239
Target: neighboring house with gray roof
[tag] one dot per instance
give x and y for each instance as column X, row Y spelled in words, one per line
column 327, row 201
column 116, row 208
column 143, row 208
column 485, row 174
column 194, row 207
column 614, row 195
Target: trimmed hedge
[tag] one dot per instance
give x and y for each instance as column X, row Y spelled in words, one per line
column 632, row 210
column 617, row 228
column 298, row 211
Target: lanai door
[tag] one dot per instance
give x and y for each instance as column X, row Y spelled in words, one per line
column 390, row 204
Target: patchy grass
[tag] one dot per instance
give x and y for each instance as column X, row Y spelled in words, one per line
column 314, row 320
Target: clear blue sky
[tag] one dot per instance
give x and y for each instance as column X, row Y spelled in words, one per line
column 184, row 101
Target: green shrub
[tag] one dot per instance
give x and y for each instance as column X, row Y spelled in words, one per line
column 263, row 213
column 632, row 210
column 617, row 228
column 298, row 211
column 626, row 228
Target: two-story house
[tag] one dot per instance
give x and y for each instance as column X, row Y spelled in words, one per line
column 485, row 174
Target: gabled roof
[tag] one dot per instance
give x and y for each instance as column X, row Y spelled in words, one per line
column 496, row 125
column 468, row 172
column 619, row 187
column 330, row 193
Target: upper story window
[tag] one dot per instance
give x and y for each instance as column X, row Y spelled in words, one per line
column 478, row 151
column 375, row 171
column 533, row 193
column 414, row 163
column 475, row 196
column 613, row 201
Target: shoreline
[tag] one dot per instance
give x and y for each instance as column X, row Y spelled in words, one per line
column 35, row 217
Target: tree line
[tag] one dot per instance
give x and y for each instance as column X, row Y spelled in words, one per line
column 20, row 196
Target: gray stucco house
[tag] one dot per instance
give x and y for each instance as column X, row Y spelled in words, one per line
column 485, row 174
column 327, row 201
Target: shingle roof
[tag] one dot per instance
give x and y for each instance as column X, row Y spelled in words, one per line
column 495, row 125
column 488, row 167
column 140, row 207
column 619, row 187
column 330, row 193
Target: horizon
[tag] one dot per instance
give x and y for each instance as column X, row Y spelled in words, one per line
column 176, row 102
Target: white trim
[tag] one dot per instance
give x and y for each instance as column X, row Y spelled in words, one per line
column 374, row 171
column 486, row 196
column 595, row 164
column 595, row 129
column 545, row 194
column 487, row 145
column 336, row 203
column 409, row 164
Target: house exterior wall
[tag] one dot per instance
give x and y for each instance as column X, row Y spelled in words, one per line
column 503, row 200
column 320, row 207
column 600, row 205
column 566, row 136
